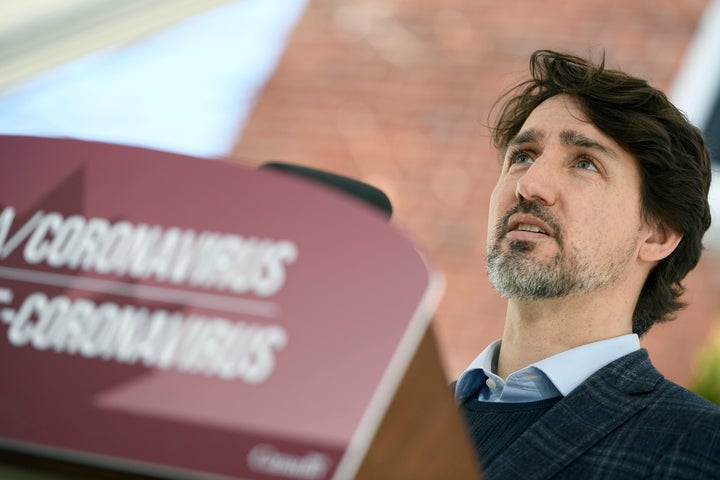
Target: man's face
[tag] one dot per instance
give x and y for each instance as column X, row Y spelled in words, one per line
column 565, row 214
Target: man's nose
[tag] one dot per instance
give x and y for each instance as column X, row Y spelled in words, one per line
column 539, row 182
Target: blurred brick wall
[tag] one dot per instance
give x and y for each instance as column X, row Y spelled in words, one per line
column 397, row 93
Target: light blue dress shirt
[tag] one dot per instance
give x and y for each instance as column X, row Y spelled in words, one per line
column 552, row 377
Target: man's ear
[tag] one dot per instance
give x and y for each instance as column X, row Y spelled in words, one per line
column 660, row 241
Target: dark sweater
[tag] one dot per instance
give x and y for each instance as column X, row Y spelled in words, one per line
column 493, row 425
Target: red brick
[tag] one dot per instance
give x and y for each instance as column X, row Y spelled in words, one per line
column 406, row 106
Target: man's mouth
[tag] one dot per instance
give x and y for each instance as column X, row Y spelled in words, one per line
column 529, row 221
column 522, row 222
column 524, row 227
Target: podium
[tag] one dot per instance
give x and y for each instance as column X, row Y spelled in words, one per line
column 171, row 317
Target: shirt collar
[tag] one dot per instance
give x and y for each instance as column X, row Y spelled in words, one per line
column 568, row 369
column 565, row 370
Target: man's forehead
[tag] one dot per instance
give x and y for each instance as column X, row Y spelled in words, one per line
column 559, row 111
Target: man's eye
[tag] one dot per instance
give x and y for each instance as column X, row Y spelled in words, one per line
column 520, row 157
column 586, row 164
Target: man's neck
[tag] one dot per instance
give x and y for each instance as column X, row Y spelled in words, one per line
column 539, row 329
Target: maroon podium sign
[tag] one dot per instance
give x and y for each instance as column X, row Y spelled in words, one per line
column 183, row 317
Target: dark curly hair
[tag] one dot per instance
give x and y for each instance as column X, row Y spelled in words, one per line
column 672, row 154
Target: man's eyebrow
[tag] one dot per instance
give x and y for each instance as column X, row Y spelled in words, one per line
column 577, row 139
column 528, row 136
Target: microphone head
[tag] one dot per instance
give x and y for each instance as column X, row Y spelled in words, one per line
column 355, row 188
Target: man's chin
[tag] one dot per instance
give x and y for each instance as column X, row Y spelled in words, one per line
column 521, row 246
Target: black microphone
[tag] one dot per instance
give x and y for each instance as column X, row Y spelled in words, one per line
column 364, row 192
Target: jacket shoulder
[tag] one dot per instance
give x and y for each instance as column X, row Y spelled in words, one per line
column 695, row 453
column 684, row 405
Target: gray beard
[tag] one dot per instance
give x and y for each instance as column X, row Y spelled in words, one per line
column 515, row 274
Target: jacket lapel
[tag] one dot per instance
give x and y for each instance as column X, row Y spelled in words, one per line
column 598, row 406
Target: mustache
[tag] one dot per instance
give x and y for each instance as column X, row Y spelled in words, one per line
column 535, row 209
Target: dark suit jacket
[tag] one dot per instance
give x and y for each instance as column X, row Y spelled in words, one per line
column 624, row 422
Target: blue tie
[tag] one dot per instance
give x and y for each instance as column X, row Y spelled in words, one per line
column 469, row 385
